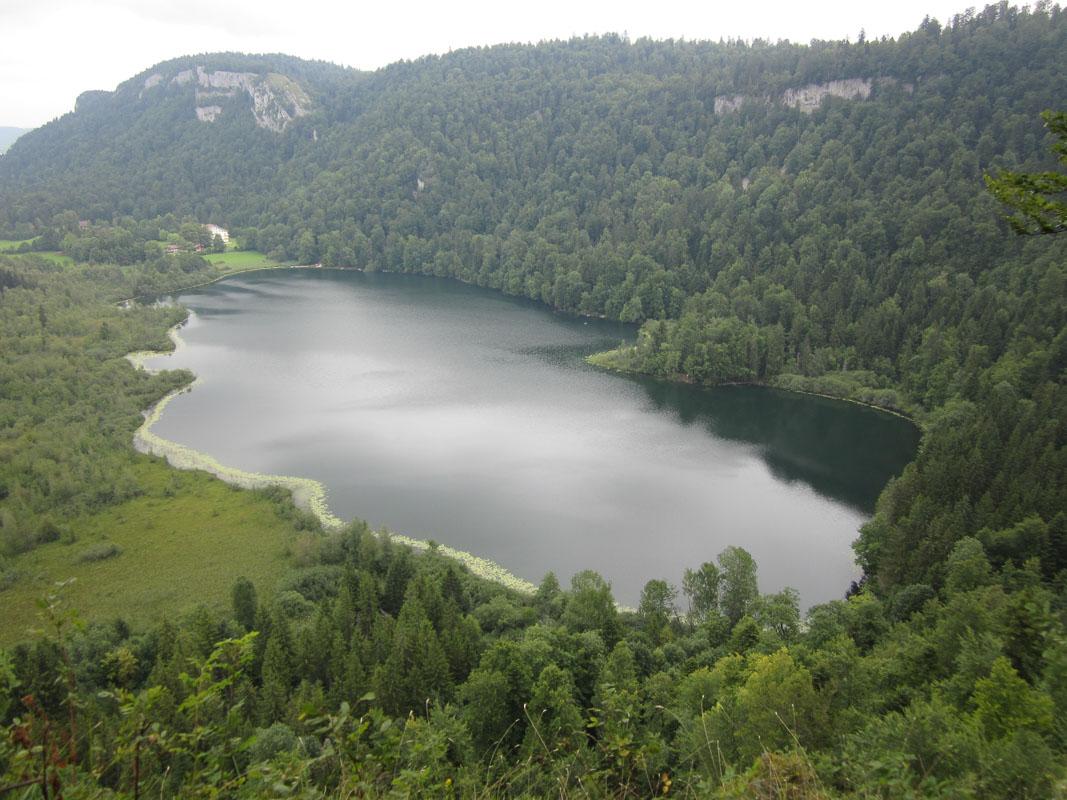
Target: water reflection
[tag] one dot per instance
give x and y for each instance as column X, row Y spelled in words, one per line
column 844, row 452
column 453, row 413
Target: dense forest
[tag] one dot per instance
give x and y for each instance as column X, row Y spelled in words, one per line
column 847, row 246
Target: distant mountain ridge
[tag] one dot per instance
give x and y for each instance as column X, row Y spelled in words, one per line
column 238, row 137
column 8, row 135
column 167, row 135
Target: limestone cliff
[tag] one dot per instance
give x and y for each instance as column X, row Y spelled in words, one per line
column 276, row 99
column 808, row 98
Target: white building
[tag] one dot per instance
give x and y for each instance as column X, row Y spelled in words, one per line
column 215, row 230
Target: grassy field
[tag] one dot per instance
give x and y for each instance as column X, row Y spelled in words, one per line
column 54, row 256
column 233, row 261
column 57, row 257
column 182, row 544
column 241, row 259
column 10, row 244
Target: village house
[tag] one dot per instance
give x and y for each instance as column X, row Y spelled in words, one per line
column 216, row 230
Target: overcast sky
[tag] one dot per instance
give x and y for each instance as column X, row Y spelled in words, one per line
column 55, row 49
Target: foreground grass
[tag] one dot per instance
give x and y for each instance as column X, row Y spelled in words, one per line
column 182, row 544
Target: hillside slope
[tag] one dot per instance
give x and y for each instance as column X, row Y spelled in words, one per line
column 172, row 138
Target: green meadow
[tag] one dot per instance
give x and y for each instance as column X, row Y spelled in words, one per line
column 55, row 256
column 180, row 545
column 242, row 259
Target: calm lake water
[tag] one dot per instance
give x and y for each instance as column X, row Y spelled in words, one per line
column 452, row 413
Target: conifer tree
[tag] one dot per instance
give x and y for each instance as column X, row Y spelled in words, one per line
column 554, row 721
column 277, row 671
column 416, row 669
column 243, row 596
column 397, row 577
column 452, row 589
column 344, row 608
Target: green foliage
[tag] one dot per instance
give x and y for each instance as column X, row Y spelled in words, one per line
column 967, row 567
column 777, row 707
column 243, row 596
column 780, row 613
column 1004, row 703
column 657, row 609
column 416, row 670
column 701, row 588
column 591, row 607
column 1036, row 195
column 347, row 698
column 99, row 552
column 738, row 590
column 850, row 251
column 555, row 724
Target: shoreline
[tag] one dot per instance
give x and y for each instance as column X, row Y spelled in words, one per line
column 126, row 302
column 307, row 493
column 589, row 359
column 688, row 382
column 310, row 494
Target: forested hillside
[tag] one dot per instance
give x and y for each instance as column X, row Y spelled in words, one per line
column 810, row 216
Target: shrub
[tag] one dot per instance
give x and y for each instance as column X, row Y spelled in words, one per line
column 314, row 583
column 293, row 605
column 270, row 742
column 8, row 578
column 98, row 552
column 48, row 532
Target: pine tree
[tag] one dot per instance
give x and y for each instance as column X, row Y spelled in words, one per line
column 452, row 589
column 397, row 577
column 344, row 608
column 554, row 721
column 416, row 670
column 277, row 672
column 549, row 598
column 368, row 603
column 243, row 596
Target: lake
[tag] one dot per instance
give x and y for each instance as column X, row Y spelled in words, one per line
column 448, row 412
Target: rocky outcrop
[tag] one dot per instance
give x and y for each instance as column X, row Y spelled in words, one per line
column 808, row 98
column 91, row 98
column 726, row 103
column 276, row 99
column 151, row 82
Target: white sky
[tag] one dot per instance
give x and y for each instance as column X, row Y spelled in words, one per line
column 55, row 49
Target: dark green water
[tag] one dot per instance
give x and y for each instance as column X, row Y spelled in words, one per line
column 448, row 412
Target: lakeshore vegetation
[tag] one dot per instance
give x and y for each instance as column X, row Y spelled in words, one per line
column 850, row 249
